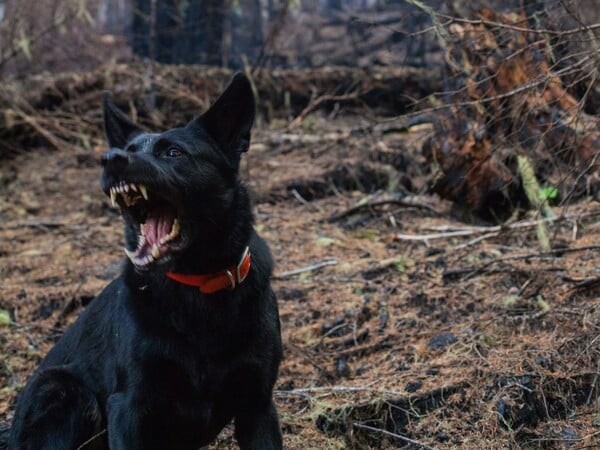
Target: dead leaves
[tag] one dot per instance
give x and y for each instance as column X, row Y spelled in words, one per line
column 509, row 100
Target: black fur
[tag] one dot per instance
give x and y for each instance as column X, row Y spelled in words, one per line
column 155, row 363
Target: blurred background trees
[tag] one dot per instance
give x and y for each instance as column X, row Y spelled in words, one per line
column 493, row 78
column 55, row 35
column 209, row 32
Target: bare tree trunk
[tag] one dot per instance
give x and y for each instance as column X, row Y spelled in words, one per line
column 152, row 31
column 247, row 33
column 334, row 5
column 169, row 32
column 140, row 28
column 204, row 29
column 203, row 32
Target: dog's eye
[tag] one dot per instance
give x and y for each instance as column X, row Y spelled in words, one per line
column 174, row 152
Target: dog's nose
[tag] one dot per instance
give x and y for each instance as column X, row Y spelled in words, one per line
column 115, row 160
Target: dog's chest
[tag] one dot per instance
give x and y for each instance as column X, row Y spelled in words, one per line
column 216, row 375
column 196, row 365
column 199, row 393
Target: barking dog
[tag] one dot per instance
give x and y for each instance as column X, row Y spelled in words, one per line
column 187, row 337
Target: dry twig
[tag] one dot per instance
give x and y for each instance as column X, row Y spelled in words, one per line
column 310, row 268
column 474, row 271
column 447, row 232
column 317, row 102
column 395, row 200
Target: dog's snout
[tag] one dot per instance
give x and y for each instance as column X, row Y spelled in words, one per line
column 115, row 160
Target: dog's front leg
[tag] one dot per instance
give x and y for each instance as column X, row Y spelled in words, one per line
column 123, row 432
column 258, row 430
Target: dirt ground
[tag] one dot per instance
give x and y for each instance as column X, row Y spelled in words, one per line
column 405, row 324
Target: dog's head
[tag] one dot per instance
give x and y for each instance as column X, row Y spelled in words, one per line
column 173, row 186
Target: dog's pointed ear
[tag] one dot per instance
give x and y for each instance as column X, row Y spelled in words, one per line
column 229, row 120
column 118, row 128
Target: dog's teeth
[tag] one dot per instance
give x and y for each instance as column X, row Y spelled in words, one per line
column 143, row 229
column 143, row 261
column 130, row 254
column 155, row 251
column 113, row 197
column 133, row 187
column 143, row 191
column 174, row 230
column 172, row 234
column 126, row 187
column 141, row 241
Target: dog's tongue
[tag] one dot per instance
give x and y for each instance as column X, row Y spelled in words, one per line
column 158, row 225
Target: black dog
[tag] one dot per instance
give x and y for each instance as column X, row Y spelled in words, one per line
column 187, row 337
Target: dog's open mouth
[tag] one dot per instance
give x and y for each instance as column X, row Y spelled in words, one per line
column 159, row 229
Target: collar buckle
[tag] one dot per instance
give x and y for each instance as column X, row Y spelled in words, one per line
column 231, row 279
column 241, row 271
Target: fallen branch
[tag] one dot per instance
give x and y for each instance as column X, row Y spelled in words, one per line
column 312, row 267
column 454, row 274
column 474, row 271
column 583, row 283
column 305, row 202
column 477, row 240
column 401, row 201
column 432, row 236
column 469, row 231
column 317, row 102
column 337, row 389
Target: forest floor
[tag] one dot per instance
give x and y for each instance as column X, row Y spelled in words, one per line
column 469, row 338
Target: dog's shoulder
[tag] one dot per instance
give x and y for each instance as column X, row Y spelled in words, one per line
column 93, row 329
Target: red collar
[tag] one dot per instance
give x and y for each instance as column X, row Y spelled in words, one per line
column 214, row 282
